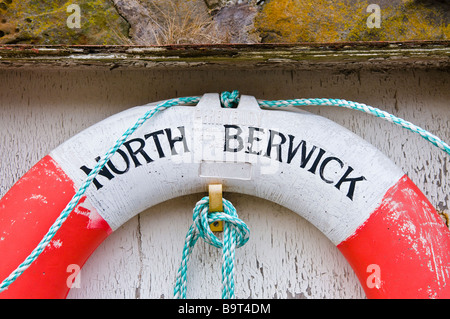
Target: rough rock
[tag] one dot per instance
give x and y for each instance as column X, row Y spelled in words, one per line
column 45, row 22
column 237, row 22
column 169, row 22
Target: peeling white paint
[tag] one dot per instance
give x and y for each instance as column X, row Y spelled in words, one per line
column 56, row 243
column 39, row 197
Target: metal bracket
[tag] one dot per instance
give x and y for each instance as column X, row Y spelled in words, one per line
column 215, row 204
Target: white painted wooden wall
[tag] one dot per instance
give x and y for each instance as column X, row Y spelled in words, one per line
column 286, row 256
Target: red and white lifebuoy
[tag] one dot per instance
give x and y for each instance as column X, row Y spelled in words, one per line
column 391, row 235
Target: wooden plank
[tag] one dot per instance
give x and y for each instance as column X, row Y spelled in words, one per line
column 342, row 55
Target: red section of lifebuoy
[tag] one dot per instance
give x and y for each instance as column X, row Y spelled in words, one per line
column 26, row 213
column 400, row 251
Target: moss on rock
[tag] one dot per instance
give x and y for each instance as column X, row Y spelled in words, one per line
column 163, row 22
column 346, row 20
column 45, row 22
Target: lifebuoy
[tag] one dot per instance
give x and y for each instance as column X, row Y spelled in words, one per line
column 391, row 235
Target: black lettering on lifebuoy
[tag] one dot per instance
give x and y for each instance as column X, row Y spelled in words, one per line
column 133, row 152
column 157, row 142
column 113, row 167
column 234, row 142
column 235, row 137
column 325, row 163
column 103, row 172
column 271, row 144
column 276, row 145
column 316, row 161
column 139, row 150
column 304, row 159
column 172, row 141
column 352, row 181
column 252, row 138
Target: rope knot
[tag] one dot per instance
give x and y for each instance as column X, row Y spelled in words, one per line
column 202, row 218
column 235, row 235
column 229, row 99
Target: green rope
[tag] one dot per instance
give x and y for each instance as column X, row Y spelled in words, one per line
column 436, row 141
column 235, row 235
column 76, row 198
column 229, row 99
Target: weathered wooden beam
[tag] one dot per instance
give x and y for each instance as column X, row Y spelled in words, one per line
column 417, row 54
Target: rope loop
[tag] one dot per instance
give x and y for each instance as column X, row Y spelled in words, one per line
column 203, row 218
column 235, row 235
column 229, row 99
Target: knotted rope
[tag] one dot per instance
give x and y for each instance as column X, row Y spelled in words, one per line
column 235, row 235
column 229, row 99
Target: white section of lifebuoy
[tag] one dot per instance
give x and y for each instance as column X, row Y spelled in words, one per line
column 304, row 162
